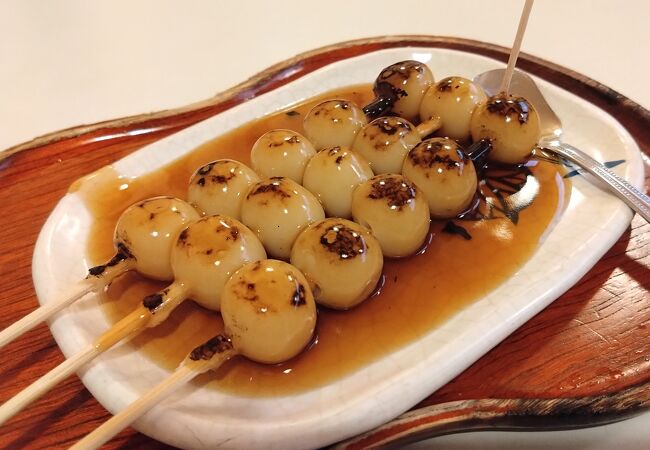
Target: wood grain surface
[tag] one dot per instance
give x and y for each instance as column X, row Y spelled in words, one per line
column 583, row 360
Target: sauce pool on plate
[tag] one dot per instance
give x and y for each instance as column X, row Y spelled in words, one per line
column 415, row 294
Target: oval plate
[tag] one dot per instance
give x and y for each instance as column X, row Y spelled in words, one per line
column 590, row 224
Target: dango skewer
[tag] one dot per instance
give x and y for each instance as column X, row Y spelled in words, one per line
column 206, row 253
column 455, row 107
column 143, row 238
column 269, row 316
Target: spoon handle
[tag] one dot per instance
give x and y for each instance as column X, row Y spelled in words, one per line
column 634, row 198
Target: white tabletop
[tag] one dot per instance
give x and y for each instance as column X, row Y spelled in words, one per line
column 73, row 62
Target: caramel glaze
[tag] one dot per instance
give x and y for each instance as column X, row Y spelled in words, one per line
column 417, row 293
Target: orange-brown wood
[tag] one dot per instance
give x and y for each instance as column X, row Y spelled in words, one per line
column 593, row 341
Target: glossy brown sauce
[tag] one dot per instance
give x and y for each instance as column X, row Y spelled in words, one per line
column 418, row 293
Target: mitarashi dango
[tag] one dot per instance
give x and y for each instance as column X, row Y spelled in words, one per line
column 146, row 232
column 510, row 123
column 282, row 153
column 444, row 173
column 453, row 100
column 219, row 187
column 277, row 209
column 341, row 259
column 384, row 143
column 268, row 311
column 395, row 211
column 332, row 175
column 333, row 123
column 399, row 89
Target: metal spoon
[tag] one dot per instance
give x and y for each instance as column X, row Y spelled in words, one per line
column 551, row 131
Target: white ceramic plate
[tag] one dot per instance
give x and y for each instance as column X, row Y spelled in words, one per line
column 591, row 223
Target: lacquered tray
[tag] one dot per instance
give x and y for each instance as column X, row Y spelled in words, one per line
column 580, row 338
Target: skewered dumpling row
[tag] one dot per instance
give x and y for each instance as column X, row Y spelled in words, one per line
column 407, row 89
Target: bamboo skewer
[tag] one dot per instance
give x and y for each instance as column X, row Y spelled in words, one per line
column 84, row 287
column 23, row 325
column 129, row 326
column 516, row 46
column 208, row 356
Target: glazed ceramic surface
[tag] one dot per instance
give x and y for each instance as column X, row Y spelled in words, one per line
column 590, row 223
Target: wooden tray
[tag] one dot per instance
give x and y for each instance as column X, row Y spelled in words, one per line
column 585, row 360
